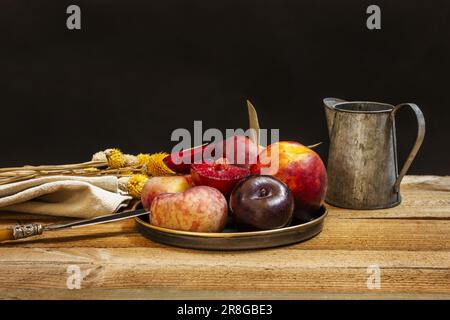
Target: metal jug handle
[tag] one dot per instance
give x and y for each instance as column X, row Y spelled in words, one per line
column 417, row 144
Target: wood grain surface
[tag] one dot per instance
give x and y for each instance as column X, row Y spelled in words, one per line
column 409, row 243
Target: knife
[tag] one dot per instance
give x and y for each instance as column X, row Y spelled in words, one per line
column 21, row 231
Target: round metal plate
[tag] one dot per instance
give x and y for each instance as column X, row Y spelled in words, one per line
column 232, row 239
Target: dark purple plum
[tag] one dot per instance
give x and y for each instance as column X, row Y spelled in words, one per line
column 261, row 202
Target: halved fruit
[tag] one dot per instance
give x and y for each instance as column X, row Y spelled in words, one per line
column 219, row 175
column 180, row 162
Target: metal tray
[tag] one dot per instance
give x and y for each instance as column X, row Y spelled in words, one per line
column 230, row 238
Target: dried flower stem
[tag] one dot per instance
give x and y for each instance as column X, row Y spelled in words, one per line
column 17, row 179
column 89, row 164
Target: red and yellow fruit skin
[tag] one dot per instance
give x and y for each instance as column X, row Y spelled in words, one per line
column 185, row 157
column 165, row 184
column 198, row 209
column 238, row 150
column 303, row 172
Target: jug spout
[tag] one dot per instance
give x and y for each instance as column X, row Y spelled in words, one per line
column 329, row 104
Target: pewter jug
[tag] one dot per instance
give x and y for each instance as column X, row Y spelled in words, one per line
column 362, row 159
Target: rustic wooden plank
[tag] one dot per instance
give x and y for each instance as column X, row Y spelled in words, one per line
column 426, row 182
column 423, row 197
column 339, row 234
column 274, row 270
column 167, row 293
column 258, row 259
column 163, row 293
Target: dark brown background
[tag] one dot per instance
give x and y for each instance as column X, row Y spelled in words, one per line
column 139, row 69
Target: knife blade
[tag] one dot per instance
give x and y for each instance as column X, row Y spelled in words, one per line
column 97, row 220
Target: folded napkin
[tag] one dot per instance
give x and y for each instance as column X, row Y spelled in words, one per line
column 66, row 196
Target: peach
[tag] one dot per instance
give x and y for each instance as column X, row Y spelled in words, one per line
column 165, row 184
column 200, row 209
column 303, row 172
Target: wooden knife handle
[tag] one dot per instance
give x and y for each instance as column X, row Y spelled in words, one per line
column 6, row 234
column 20, row 231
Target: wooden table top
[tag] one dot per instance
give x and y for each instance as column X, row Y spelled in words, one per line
column 407, row 246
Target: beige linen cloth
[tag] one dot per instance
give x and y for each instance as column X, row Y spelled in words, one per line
column 66, row 196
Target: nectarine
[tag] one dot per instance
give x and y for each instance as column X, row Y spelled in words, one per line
column 301, row 169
